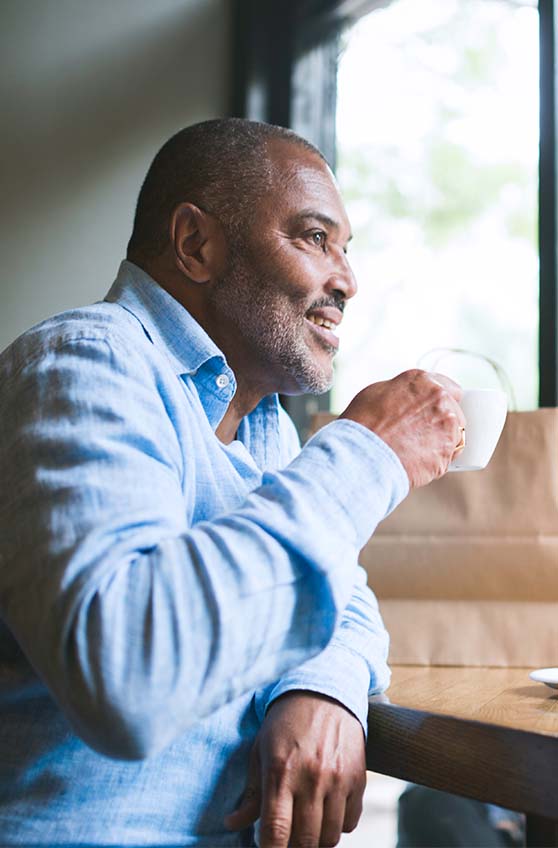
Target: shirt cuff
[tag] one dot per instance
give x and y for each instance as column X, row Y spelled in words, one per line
column 338, row 673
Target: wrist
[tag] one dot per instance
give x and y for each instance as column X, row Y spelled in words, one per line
column 309, row 695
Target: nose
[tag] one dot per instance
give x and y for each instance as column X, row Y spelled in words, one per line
column 342, row 279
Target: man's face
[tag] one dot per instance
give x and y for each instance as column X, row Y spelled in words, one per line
column 288, row 279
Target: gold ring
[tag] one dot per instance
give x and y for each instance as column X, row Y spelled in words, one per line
column 461, row 444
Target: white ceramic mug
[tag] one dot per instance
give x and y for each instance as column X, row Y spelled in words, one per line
column 485, row 412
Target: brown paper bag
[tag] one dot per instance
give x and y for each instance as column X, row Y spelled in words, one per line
column 466, row 569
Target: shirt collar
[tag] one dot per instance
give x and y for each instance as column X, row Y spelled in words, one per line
column 167, row 323
column 172, row 329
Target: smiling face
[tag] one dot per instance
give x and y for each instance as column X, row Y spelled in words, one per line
column 287, row 280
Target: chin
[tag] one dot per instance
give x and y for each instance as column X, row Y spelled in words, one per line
column 306, row 371
column 318, row 381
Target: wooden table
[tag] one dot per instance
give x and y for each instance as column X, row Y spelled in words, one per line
column 486, row 733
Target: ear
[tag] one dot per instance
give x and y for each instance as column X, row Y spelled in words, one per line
column 198, row 242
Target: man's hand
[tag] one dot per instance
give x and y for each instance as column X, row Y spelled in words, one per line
column 307, row 774
column 418, row 415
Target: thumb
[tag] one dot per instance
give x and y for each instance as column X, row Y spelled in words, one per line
column 248, row 810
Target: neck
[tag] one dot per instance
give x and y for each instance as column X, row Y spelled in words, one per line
column 241, row 405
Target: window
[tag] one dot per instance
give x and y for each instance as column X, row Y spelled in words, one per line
column 437, row 158
column 448, row 252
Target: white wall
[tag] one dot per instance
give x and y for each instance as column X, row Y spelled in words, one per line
column 89, row 91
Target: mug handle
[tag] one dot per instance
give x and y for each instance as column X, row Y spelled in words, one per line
column 441, row 353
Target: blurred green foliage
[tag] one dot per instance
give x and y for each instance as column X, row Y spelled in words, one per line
column 446, row 185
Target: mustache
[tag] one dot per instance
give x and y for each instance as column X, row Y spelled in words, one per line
column 337, row 301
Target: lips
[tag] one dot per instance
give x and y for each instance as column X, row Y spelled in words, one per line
column 324, row 322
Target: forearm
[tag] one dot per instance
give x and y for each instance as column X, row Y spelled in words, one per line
column 351, row 667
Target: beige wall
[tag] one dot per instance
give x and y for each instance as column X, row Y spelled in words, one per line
column 89, row 90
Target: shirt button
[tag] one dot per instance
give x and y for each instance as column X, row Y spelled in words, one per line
column 222, row 381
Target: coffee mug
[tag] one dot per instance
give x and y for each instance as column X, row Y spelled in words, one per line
column 485, row 413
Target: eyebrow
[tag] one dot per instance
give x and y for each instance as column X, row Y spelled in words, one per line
column 322, row 218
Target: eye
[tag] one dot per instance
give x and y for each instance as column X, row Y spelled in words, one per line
column 318, row 238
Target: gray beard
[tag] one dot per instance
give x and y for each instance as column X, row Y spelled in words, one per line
column 248, row 308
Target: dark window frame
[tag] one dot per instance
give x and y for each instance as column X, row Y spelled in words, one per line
column 285, row 57
column 548, row 256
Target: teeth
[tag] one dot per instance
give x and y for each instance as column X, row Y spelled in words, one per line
column 322, row 322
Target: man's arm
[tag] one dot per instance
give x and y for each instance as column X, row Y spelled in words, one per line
column 307, row 767
column 354, row 664
column 351, row 667
column 140, row 624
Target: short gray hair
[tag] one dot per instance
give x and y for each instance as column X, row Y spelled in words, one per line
column 223, row 166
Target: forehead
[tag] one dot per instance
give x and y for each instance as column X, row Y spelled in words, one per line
column 302, row 180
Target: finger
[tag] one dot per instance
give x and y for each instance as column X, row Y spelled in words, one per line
column 307, row 820
column 455, row 391
column 461, row 420
column 333, row 819
column 276, row 819
column 462, row 441
column 353, row 811
column 453, row 388
column 460, row 429
column 248, row 812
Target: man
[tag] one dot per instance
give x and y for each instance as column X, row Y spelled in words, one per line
column 188, row 640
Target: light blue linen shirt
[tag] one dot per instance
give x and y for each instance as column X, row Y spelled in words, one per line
column 158, row 589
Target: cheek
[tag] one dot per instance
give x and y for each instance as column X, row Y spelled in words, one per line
column 299, row 275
